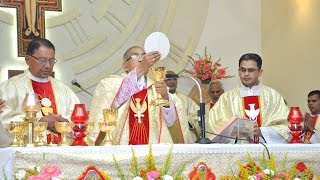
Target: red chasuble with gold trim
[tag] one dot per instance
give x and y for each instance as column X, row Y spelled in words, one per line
column 139, row 118
column 251, row 108
column 48, row 104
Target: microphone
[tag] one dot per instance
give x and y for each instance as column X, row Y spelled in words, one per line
column 201, row 111
column 75, row 83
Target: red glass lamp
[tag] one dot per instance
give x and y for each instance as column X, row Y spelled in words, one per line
column 79, row 117
column 295, row 118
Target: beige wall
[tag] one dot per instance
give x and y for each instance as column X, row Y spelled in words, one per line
column 91, row 35
column 290, row 48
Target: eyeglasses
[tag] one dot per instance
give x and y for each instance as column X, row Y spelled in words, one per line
column 249, row 70
column 43, row 61
column 136, row 57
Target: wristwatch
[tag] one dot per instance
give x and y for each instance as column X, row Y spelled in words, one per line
column 313, row 131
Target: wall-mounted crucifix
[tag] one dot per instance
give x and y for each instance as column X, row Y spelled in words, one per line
column 30, row 19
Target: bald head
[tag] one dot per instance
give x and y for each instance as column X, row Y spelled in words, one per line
column 215, row 90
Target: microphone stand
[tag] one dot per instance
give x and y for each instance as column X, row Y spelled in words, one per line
column 201, row 115
column 75, row 83
column 85, row 90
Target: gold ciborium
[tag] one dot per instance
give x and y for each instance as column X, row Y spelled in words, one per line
column 159, row 73
column 90, row 126
column 31, row 106
column 110, row 116
column 17, row 130
column 64, row 128
column 39, row 128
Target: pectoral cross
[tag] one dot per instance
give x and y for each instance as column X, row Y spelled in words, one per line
column 30, row 19
column 138, row 108
column 139, row 115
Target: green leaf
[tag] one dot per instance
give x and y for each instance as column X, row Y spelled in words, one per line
column 118, row 168
column 149, row 160
column 180, row 170
column 167, row 163
column 135, row 170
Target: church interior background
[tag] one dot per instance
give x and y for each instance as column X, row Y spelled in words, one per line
column 91, row 36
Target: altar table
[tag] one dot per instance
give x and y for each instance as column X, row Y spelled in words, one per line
column 221, row 158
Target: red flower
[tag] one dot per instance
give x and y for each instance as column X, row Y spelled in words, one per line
column 204, row 68
column 222, row 72
column 301, row 167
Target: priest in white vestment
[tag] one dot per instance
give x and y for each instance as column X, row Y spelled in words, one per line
column 255, row 102
column 138, row 122
column 187, row 120
column 57, row 100
column 5, row 136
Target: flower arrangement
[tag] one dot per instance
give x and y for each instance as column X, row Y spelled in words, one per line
column 150, row 171
column 267, row 169
column 205, row 69
column 39, row 172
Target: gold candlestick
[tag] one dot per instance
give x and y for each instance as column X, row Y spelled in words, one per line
column 31, row 106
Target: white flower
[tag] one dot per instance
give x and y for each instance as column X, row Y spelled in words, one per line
column 137, row 178
column 21, row 174
column 252, row 178
column 167, row 177
column 296, row 178
column 38, row 169
column 268, row 172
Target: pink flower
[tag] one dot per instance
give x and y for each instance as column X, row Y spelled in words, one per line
column 39, row 177
column 153, row 174
column 259, row 176
column 283, row 175
column 50, row 171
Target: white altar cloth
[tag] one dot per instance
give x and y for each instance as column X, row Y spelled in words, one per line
column 221, row 158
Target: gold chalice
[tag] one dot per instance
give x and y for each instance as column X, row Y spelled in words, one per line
column 39, row 128
column 17, row 130
column 110, row 116
column 159, row 73
column 90, row 126
column 64, row 128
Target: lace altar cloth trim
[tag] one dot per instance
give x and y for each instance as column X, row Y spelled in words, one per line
column 222, row 158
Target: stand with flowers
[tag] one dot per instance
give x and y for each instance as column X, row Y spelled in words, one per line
column 267, row 169
column 206, row 70
column 150, row 171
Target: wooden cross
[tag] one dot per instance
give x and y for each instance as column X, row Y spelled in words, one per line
column 30, row 19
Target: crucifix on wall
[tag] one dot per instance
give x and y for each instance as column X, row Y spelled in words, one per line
column 30, row 19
